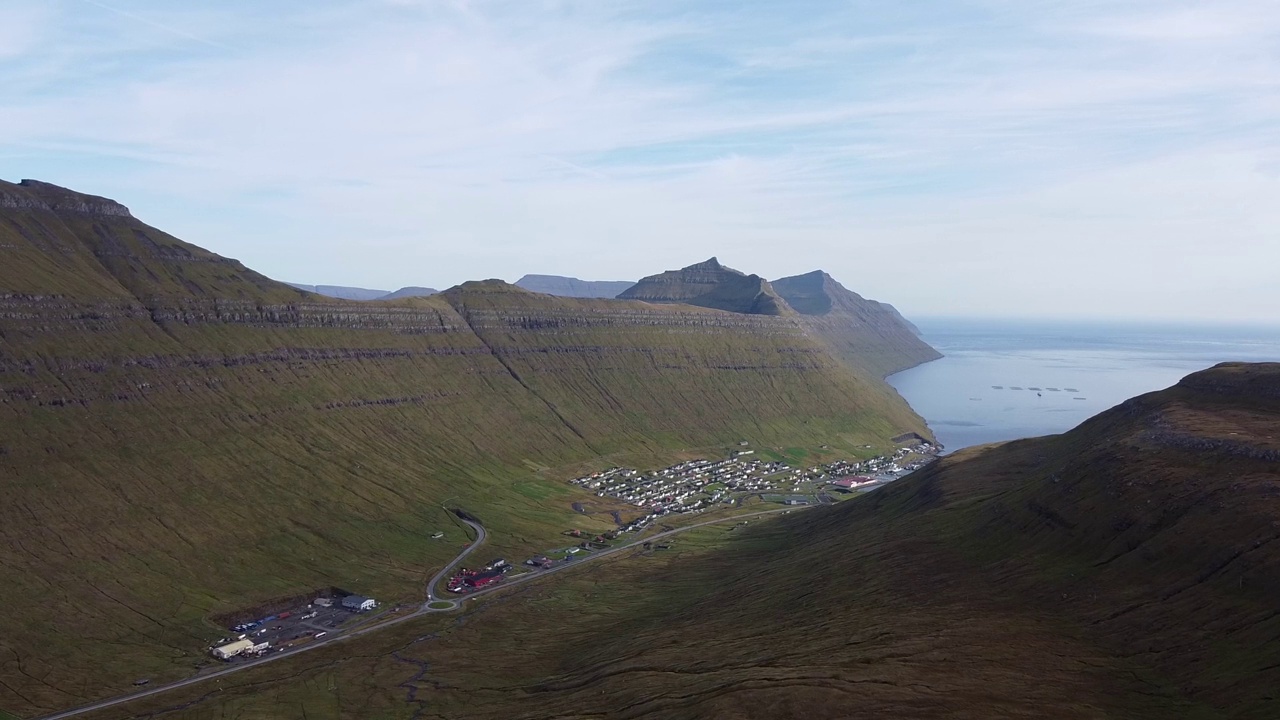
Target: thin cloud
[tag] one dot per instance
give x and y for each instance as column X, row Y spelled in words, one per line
column 158, row 25
column 460, row 140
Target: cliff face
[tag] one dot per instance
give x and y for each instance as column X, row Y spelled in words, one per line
column 712, row 285
column 866, row 333
column 573, row 287
column 185, row 436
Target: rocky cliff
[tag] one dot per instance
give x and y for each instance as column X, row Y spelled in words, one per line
column 712, row 285
column 867, row 333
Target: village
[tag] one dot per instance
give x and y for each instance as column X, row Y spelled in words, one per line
column 689, row 487
column 695, row 486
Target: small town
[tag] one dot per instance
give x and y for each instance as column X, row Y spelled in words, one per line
column 695, row 486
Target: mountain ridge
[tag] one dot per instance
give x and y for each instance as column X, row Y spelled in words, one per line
column 712, row 285
column 572, row 286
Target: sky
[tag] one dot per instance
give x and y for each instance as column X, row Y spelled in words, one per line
column 1028, row 158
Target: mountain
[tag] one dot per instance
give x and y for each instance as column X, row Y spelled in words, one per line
column 712, row 285
column 355, row 293
column 185, row 437
column 573, row 287
column 409, row 292
column 865, row 332
column 1127, row 568
column 342, row 292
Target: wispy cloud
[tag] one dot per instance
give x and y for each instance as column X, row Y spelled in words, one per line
column 177, row 32
column 426, row 142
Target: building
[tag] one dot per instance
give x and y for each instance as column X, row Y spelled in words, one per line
column 796, row 500
column 358, row 603
column 230, row 650
column 484, row 579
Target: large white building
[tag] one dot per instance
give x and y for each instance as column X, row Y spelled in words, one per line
column 230, row 650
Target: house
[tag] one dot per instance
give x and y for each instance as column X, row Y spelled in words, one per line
column 230, row 650
column 358, row 603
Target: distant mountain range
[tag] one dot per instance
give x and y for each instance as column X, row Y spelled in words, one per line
column 354, row 293
column 573, row 287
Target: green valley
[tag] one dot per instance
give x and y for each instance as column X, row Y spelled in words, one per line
column 184, row 437
column 1064, row 576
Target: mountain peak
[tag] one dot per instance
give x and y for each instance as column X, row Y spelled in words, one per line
column 711, row 264
column 710, row 284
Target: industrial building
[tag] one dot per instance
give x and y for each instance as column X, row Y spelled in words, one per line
column 230, row 650
column 358, row 603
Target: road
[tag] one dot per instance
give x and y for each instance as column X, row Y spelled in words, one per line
column 337, row 636
column 444, row 572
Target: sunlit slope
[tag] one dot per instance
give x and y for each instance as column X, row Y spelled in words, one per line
column 183, row 436
column 618, row 374
column 1127, row 569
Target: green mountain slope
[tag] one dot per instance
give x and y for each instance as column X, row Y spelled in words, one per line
column 185, row 437
column 1128, row 568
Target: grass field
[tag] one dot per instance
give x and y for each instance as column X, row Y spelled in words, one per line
column 1126, row 569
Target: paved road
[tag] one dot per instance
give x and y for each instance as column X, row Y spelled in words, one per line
column 444, row 571
column 337, row 636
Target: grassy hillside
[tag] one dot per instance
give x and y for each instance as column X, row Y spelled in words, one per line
column 183, row 437
column 1126, row 569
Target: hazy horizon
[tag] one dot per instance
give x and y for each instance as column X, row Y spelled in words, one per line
column 1062, row 158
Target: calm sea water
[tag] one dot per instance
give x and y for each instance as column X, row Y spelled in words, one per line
column 1003, row 380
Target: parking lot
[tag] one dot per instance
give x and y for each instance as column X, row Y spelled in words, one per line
column 290, row 628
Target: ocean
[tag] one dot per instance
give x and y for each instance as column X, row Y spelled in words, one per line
column 1004, row 379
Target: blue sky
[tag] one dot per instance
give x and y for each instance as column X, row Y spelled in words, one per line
column 977, row 157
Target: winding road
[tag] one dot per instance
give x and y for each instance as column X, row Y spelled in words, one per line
column 337, row 636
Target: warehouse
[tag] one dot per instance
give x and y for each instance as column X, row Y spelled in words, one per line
column 230, row 650
column 358, row 603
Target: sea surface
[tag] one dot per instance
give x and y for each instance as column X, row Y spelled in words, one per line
column 1003, row 379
